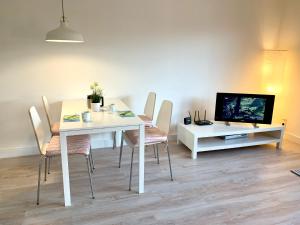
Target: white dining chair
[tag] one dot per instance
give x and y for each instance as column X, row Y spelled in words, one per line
column 50, row 147
column 54, row 129
column 147, row 117
column 153, row 136
column 54, row 126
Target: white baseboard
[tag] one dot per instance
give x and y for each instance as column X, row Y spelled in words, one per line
column 11, row 152
column 292, row 137
column 98, row 142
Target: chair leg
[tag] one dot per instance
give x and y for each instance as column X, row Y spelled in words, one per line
column 169, row 162
column 49, row 161
column 115, row 139
column 89, row 171
column 121, row 149
column 92, row 159
column 90, row 162
column 46, row 167
column 157, row 152
column 130, row 178
column 154, row 151
column 39, row 182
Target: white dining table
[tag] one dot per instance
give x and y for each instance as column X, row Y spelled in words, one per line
column 104, row 121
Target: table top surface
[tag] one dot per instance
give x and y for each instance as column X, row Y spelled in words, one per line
column 103, row 119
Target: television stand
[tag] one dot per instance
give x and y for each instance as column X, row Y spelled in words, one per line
column 207, row 138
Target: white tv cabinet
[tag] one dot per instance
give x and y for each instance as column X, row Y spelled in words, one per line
column 208, row 138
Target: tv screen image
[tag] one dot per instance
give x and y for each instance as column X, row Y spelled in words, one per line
column 244, row 108
column 250, row 108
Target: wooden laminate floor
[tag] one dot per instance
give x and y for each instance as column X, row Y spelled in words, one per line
column 239, row 186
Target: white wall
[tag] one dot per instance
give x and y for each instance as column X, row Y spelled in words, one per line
column 186, row 51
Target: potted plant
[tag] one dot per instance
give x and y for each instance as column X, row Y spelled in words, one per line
column 96, row 98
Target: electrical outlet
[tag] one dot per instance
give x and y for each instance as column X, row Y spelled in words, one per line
column 284, row 122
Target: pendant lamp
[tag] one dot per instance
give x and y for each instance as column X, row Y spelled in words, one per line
column 64, row 33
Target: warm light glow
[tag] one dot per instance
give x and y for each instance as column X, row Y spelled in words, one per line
column 272, row 89
column 267, row 69
column 272, row 79
column 273, row 71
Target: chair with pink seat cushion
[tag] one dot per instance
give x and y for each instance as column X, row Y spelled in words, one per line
column 50, row 147
column 147, row 121
column 153, row 136
column 54, row 129
column 147, row 117
column 54, row 126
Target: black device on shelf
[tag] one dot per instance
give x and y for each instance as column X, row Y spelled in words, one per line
column 246, row 108
column 200, row 122
column 187, row 120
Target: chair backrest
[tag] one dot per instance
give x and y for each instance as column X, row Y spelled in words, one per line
column 38, row 128
column 47, row 109
column 164, row 116
column 150, row 105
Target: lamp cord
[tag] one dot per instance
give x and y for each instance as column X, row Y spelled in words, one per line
column 63, row 11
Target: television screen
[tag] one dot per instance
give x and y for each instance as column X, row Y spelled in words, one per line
column 249, row 108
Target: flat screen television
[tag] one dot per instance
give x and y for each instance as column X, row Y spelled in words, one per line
column 246, row 108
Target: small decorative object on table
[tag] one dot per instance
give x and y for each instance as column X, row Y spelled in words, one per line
column 96, row 99
column 86, row 116
column 89, row 101
column 112, row 108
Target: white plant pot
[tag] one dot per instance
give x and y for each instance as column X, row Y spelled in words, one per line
column 95, row 107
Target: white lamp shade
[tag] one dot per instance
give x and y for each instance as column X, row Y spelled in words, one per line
column 64, row 34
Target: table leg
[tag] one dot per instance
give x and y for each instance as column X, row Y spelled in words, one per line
column 141, row 158
column 65, row 169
